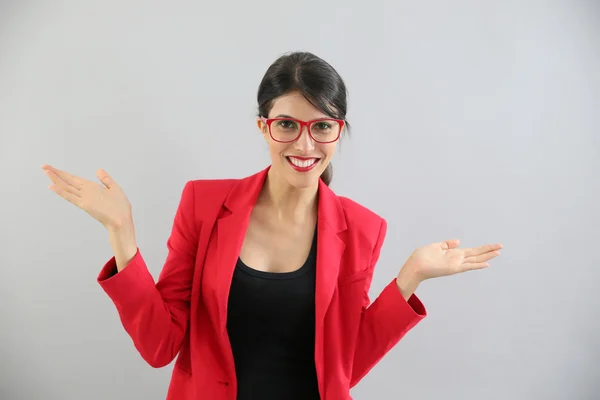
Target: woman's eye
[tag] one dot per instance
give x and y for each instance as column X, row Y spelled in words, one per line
column 323, row 126
column 287, row 124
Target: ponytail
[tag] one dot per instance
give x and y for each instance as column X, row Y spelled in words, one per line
column 327, row 175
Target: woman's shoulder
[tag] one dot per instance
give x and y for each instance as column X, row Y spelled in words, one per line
column 357, row 213
column 367, row 226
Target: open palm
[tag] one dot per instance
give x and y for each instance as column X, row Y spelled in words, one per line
column 108, row 204
column 445, row 258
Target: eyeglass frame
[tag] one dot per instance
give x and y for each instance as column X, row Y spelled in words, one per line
column 269, row 121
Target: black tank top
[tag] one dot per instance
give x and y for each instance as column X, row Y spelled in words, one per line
column 271, row 327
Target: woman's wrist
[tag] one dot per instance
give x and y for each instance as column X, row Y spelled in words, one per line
column 407, row 281
column 124, row 245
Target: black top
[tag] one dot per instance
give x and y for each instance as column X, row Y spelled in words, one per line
column 271, row 327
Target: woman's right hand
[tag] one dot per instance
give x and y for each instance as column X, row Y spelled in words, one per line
column 108, row 204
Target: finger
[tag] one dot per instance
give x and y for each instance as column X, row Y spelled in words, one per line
column 106, row 179
column 72, row 180
column 62, row 184
column 482, row 257
column 473, row 266
column 70, row 197
column 450, row 244
column 482, row 249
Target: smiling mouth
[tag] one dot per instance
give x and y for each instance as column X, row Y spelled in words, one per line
column 303, row 163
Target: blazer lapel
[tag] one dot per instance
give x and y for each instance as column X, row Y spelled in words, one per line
column 231, row 229
column 330, row 248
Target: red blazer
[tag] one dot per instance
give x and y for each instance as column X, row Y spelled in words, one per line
column 185, row 311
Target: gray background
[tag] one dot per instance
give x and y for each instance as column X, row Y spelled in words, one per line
column 472, row 119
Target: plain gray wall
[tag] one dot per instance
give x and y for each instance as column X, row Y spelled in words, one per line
column 471, row 119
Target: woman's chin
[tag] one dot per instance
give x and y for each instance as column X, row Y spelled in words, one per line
column 303, row 180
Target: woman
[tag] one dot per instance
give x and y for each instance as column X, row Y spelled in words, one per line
column 264, row 291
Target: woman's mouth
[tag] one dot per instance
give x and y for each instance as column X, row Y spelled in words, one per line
column 303, row 164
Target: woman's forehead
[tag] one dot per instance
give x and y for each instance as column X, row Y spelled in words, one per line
column 296, row 106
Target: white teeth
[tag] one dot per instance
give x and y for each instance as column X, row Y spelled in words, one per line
column 302, row 163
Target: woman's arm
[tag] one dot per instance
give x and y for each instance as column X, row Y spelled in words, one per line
column 384, row 322
column 155, row 315
column 397, row 310
column 123, row 243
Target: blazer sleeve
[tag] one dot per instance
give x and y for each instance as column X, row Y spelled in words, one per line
column 384, row 322
column 156, row 315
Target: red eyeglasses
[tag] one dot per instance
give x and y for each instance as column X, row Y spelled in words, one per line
column 286, row 130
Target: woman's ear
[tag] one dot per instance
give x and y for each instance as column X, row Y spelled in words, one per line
column 262, row 127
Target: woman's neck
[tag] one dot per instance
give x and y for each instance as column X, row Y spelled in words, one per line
column 288, row 203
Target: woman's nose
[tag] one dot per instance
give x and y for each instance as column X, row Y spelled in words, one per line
column 304, row 143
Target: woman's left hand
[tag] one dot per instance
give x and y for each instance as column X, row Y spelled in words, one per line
column 445, row 258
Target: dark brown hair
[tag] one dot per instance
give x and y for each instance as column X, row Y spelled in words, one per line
column 312, row 76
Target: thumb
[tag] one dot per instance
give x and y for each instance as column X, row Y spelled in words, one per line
column 106, row 179
column 450, row 244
